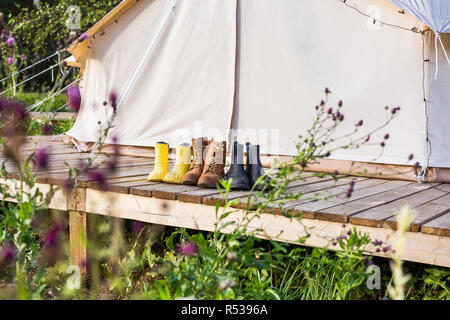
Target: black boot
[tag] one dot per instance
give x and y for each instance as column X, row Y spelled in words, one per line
column 255, row 169
column 236, row 171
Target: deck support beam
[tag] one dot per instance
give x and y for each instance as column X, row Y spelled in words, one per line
column 76, row 205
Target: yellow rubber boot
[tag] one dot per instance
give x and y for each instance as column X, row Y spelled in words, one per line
column 182, row 164
column 161, row 162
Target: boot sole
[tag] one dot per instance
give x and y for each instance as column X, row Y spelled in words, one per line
column 240, row 187
column 206, row 185
column 190, row 182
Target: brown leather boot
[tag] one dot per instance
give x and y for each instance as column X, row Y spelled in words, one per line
column 199, row 147
column 214, row 165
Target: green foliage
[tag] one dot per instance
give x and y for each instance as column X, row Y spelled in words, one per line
column 42, row 30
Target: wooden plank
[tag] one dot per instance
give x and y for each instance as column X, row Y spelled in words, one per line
column 331, row 186
column 439, row 226
column 419, row 247
column 309, row 184
column 55, row 116
column 162, row 190
column 77, row 241
column 308, row 208
column 376, row 217
column 429, row 211
column 342, row 212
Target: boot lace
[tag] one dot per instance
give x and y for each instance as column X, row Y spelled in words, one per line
column 197, row 163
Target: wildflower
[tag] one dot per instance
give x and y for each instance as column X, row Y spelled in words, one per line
column 330, row 110
column 378, row 250
column 11, row 41
column 335, row 172
column 188, row 249
column 349, row 193
column 24, row 57
column 98, row 177
column 231, row 256
column 334, row 243
column 386, row 136
column 105, row 103
column 317, row 107
column 327, row 91
column 367, row 139
column 10, row 60
column 349, row 232
column 382, row 144
column 322, row 103
column 41, row 157
column 340, row 103
column 395, row 110
column 83, row 37
column 51, row 237
column 387, row 248
column 302, row 163
column 68, row 185
column 113, row 101
column 74, row 98
column 417, row 164
column 360, row 123
column 411, row 156
column 46, row 129
column 7, row 253
column 137, row 226
column 225, row 284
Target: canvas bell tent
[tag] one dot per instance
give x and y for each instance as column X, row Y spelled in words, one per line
column 190, row 68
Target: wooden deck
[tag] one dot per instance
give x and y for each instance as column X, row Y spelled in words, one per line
column 370, row 209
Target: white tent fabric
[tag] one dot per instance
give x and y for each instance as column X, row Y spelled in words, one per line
column 284, row 68
column 268, row 74
column 186, row 88
column 434, row 13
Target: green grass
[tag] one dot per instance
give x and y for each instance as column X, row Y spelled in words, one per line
column 30, row 98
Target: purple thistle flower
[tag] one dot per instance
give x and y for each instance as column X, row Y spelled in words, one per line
column 334, row 243
column 360, row 123
column 188, row 249
column 343, row 237
column 68, row 185
column 341, row 117
column 322, row 102
column 411, row 156
column 46, row 129
column 97, row 176
column 340, row 103
column 386, row 136
column 387, row 248
column 41, row 157
column 10, row 60
column 83, row 37
column 335, row 172
column 378, row 250
column 302, row 163
column 383, row 144
column 327, row 91
column 51, row 237
column 137, row 226
column 330, row 110
column 74, row 98
column 113, row 101
column 7, row 254
column 367, row 139
column 11, row 41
